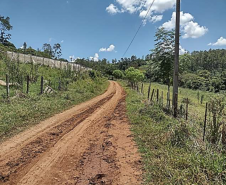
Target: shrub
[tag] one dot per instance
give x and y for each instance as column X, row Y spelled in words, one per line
column 118, row 74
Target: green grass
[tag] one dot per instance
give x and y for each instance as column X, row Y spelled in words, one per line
column 196, row 110
column 172, row 149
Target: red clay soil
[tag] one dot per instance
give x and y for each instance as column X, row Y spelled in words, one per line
column 88, row 144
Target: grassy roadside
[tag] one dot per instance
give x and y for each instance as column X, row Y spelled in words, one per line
column 25, row 111
column 171, row 149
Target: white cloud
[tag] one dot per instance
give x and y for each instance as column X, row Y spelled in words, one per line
column 112, row 9
column 220, row 42
column 133, row 6
column 95, row 58
column 156, row 18
column 62, row 41
column 130, row 6
column 161, row 6
column 182, row 50
column 50, row 39
column 194, row 30
column 110, row 49
column 189, row 28
column 142, row 7
column 184, row 19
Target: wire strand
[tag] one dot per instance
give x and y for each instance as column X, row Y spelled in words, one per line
column 139, row 28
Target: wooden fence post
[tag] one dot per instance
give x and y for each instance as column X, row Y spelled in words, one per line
column 168, row 100
column 137, row 87
column 7, row 85
column 42, row 81
column 175, row 107
column 22, row 83
column 162, row 99
column 149, row 89
column 157, row 95
column 187, row 109
column 27, row 84
column 204, row 129
column 153, row 91
column 142, row 88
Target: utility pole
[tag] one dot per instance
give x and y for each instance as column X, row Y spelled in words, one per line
column 176, row 64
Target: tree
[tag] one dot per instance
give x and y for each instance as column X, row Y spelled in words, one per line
column 163, row 54
column 57, row 50
column 185, row 63
column 134, row 76
column 47, row 49
column 24, row 46
column 4, row 27
column 153, row 71
column 118, row 74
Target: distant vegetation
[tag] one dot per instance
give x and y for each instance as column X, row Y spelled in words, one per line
column 198, row 70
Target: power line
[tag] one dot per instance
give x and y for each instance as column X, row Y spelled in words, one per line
column 139, row 28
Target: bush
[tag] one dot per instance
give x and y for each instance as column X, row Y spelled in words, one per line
column 94, row 74
column 118, row 74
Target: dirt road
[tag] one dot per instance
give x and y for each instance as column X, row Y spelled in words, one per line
column 88, row 144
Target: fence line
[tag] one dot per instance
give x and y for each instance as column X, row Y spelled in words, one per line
column 23, row 58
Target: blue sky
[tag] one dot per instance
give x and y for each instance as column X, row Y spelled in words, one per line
column 104, row 28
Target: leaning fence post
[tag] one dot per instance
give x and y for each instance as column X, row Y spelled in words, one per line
column 204, row 129
column 7, row 85
column 27, row 84
column 41, row 92
column 187, row 109
column 153, row 91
